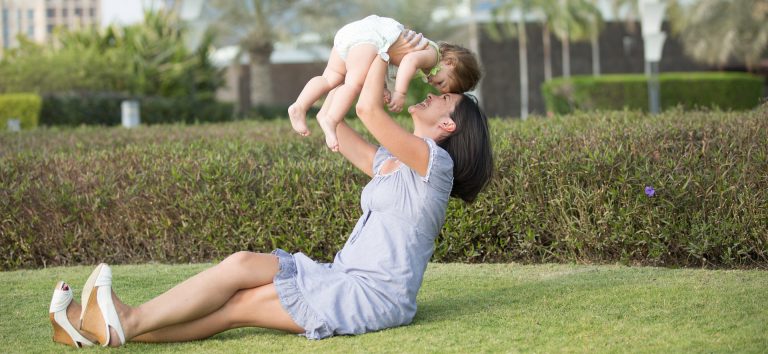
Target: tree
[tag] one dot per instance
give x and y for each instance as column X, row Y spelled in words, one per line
column 144, row 59
column 547, row 9
column 715, row 31
column 256, row 25
column 573, row 20
column 596, row 25
column 416, row 15
column 502, row 26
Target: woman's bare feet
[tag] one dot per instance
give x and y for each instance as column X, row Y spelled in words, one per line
column 73, row 315
column 298, row 118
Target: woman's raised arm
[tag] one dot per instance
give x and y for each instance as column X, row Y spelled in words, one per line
column 408, row 148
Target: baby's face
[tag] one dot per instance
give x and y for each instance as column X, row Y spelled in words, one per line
column 443, row 80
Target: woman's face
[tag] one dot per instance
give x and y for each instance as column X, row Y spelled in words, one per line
column 435, row 107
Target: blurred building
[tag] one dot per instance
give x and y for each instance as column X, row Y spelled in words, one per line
column 620, row 47
column 37, row 19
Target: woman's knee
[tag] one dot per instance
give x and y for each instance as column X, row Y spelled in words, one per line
column 238, row 259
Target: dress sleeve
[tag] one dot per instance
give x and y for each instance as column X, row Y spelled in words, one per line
column 440, row 168
column 381, row 155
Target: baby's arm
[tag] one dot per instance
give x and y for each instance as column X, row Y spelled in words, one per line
column 422, row 59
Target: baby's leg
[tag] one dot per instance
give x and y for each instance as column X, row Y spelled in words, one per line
column 316, row 87
column 358, row 61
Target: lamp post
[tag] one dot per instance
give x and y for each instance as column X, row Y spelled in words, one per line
column 651, row 16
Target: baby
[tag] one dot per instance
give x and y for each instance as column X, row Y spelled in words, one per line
column 447, row 67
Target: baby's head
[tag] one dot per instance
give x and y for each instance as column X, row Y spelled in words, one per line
column 459, row 70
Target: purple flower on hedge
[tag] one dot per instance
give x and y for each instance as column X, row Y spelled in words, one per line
column 649, row 191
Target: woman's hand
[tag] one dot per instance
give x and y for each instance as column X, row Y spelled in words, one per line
column 409, row 41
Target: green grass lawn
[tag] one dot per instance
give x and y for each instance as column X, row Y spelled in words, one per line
column 468, row 308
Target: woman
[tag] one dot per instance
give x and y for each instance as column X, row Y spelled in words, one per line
column 372, row 282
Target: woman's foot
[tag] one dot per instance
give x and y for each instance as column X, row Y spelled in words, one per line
column 329, row 129
column 64, row 314
column 99, row 315
column 298, row 119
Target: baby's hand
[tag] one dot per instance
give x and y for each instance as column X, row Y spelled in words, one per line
column 387, row 96
column 396, row 102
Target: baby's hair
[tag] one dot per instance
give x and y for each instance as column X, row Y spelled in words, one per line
column 466, row 69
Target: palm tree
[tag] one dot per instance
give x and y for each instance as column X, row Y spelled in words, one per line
column 596, row 25
column 416, row 15
column 715, row 31
column 547, row 9
column 502, row 15
column 573, row 20
column 256, row 25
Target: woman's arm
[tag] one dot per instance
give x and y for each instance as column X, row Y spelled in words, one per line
column 356, row 149
column 408, row 148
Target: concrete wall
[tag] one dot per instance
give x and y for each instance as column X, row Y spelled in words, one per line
column 287, row 79
column 621, row 51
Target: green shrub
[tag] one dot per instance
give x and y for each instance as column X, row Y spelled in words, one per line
column 727, row 91
column 105, row 109
column 567, row 189
column 22, row 106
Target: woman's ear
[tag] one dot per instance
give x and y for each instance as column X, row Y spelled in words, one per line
column 447, row 125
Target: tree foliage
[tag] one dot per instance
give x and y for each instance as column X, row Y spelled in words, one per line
column 144, row 59
column 716, row 31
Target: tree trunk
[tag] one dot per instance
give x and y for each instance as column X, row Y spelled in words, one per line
column 523, row 49
column 566, row 52
column 243, row 88
column 595, row 55
column 546, row 43
column 261, row 78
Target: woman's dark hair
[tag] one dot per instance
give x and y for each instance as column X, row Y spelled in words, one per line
column 470, row 149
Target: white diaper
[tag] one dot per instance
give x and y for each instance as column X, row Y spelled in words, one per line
column 379, row 31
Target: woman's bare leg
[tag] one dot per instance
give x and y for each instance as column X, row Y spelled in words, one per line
column 256, row 307
column 314, row 89
column 198, row 296
column 358, row 61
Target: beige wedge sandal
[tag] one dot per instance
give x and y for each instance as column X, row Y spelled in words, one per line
column 63, row 331
column 99, row 313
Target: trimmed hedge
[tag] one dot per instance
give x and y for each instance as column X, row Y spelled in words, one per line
column 104, row 109
column 567, row 189
column 727, row 91
column 22, row 106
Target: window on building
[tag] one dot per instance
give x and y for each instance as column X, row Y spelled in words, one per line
column 6, row 30
column 79, row 12
column 64, row 12
column 92, row 12
column 30, row 23
column 50, row 28
column 50, row 12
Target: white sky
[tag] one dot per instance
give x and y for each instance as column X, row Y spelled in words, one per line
column 123, row 11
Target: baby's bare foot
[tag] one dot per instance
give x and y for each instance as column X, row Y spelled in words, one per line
column 298, row 119
column 329, row 129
